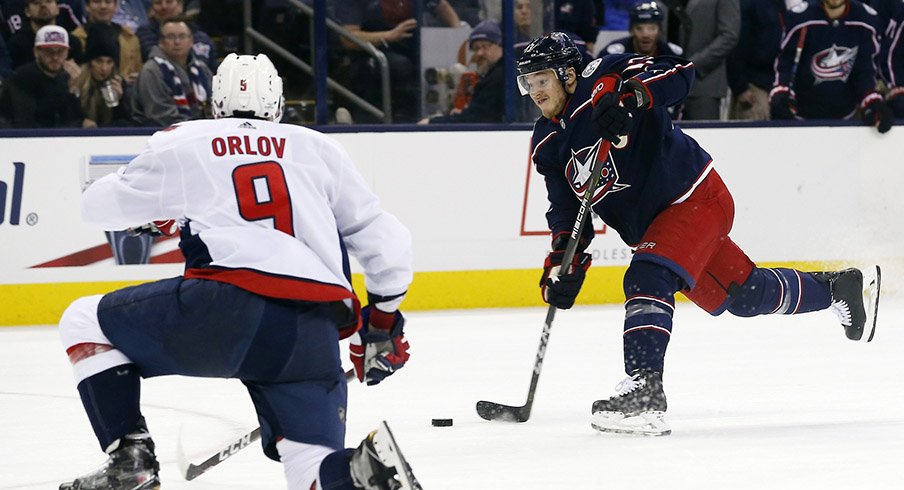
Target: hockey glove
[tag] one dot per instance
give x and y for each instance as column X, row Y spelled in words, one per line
column 163, row 227
column 879, row 115
column 561, row 290
column 613, row 110
column 782, row 106
column 379, row 348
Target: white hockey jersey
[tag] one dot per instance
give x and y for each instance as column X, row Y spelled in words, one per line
column 268, row 207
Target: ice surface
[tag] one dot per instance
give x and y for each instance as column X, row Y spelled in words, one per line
column 771, row 402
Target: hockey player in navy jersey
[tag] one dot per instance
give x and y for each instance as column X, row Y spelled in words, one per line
column 645, row 34
column 660, row 192
column 827, row 65
column 268, row 213
column 892, row 60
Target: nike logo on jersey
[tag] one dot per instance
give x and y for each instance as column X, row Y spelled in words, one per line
column 579, row 168
column 248, row 145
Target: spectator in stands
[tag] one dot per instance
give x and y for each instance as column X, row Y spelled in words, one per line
column 203, row 49
column 707, row 40
column 488, row 99
column 751, row 66
column 578, row 17
column 6, row 63
column 892, row 61
column 645, row 34
column 132, row 13
column 467, row 10
column 835, row 76
column 40, row 93
column 523, row 23
column 12, row 15
column 100, row 19
column 101, row 89
column 39, row 14
column 389, row 27
column 173, row 85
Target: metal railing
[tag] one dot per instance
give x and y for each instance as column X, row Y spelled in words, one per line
column 318, row 43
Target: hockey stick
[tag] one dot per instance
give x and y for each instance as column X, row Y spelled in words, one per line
column 507, row 413
column 190, row 471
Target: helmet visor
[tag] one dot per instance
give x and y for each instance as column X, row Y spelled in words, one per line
column 538, row 80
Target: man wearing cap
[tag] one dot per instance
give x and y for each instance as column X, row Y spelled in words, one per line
column 488, row 99
column 39, row 13
column 40, row 94
column 645, row 29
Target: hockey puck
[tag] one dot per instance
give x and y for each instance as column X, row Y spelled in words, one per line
column 441, row 422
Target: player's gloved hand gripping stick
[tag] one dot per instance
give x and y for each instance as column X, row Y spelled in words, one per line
column 497, row 411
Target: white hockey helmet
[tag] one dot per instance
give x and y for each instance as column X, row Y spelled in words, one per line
column 247, row 86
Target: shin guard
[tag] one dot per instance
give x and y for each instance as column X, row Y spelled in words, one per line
column 781, row 291
column 111, row 400
column 649, row 305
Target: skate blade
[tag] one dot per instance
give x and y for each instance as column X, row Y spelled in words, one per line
column 872, row 287
column 650, row 423
column 389, row 453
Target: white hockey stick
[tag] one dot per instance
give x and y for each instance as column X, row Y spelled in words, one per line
column 190, row 471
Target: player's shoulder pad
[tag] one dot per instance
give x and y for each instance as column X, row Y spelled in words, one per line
column 615, row 48
column 591, row 68
column 678, row 50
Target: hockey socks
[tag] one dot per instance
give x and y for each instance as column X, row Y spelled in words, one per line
column 782, row 291
column 335, row 473
column 650, row 292
column 111, row 400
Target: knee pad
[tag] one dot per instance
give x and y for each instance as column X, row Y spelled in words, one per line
column 652, row 283
column 301, row 463
column 89, row 350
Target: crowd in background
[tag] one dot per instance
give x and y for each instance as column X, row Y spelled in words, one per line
column 96, row 63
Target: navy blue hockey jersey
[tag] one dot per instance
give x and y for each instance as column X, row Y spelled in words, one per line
column 891, row 59
column 654, row 167
column 837, row 69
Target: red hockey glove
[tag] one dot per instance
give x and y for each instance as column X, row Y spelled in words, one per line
column 561, row 290
column 379, row 349
column 878, row 115
column 162, row 227
column 614, row 105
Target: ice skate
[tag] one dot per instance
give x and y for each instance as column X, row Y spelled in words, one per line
column 638, row 407
column 132, row 466
column 855, row 299
column 378, row 464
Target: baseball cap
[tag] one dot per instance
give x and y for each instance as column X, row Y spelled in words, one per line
column 52, row 36
column 487, row 30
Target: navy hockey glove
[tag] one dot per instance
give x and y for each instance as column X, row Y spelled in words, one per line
column 613, row 110
column 879, row 115
column 379, row 348
column 782, row 106
column 162, row 227
column 561, row 290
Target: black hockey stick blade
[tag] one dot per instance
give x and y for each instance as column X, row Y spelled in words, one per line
column 502, row 413
column 191, row 471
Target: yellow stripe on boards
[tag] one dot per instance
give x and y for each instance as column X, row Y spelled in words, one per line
column 42, row 304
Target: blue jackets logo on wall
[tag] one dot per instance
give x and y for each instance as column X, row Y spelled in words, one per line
column 15, row 191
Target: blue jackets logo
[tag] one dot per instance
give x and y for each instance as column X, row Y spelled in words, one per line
column 13, row 211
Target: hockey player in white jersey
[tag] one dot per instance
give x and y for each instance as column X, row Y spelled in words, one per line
column 267, row 214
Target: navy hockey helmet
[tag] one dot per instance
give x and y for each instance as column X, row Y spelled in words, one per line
column 646, row 13
column 554, row 51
